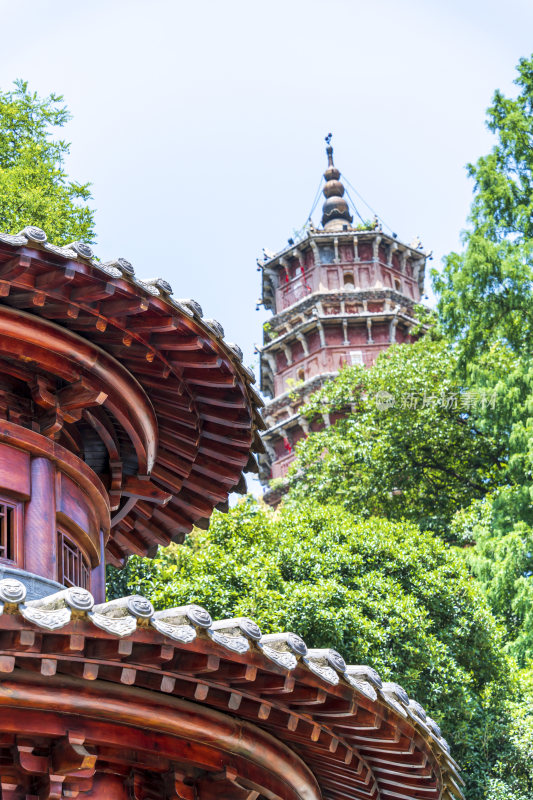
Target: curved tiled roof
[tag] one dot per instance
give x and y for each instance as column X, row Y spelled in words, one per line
column 207, row 411
column 362, row 738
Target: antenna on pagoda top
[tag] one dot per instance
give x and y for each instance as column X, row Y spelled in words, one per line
column 335, row 212
column 329, row 148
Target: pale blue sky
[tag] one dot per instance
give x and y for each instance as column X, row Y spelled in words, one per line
column 201, row 125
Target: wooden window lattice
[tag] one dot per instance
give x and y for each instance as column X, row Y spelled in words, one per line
column 74, row 569
column 7, row 531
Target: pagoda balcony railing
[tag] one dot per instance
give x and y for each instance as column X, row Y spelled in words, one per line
column 293, row 294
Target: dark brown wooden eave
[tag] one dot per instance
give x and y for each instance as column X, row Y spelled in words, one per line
column 207, row 411
column 361, row 738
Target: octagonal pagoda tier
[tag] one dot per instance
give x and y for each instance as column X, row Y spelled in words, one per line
column 125, row 417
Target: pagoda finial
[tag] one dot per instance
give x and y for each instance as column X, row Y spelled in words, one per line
column 335, row 212
column 329, row 148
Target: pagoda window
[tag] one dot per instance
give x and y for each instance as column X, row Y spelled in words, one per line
column 9, row 530
column 397, row 285
column 356, row 357
column 73, row 567
column 333, row 279
column 301, row 375
column 348, row 280
column 327, row 255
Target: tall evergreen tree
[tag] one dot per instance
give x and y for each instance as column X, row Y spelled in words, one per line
column 486, row 291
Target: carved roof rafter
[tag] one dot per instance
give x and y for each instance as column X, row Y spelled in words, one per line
column 200, row 409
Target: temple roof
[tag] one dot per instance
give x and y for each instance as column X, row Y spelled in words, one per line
column 176, row 443
column 361, row 737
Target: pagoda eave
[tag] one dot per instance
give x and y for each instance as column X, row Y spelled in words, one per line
column 118, row 369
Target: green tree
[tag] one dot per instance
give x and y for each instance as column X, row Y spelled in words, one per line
column 486, row 291
column 382, row 593
column 34, row 186
column 486, row 307
column 502, row 561
column 512, row 775
column 405, row 443
column 402, row 450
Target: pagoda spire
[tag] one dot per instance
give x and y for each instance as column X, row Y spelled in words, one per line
column 335, row 212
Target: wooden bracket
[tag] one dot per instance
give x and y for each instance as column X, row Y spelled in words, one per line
column 142, row 487
column 41, row 392
column 73, row 399
column 66, row 405
column 50, row 424
column 14, row 267
column 52, row 788
column 69, row 755
column 176, row 787
column 27, row 761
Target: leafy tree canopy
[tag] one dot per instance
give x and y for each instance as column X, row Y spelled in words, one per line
column 502, row 561
column 382, row 593
column 486, row 292
column 485, row 307
column 34, row 186
column 426, row 458
column 512, row 774
column 407, row 444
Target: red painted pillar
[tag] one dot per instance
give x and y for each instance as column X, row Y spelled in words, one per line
column 40, row 531
column 97, row 586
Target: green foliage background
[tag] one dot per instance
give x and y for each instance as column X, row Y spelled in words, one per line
column 409, row 444
column 34, row 186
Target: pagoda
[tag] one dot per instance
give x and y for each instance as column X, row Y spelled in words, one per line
column 339, row 295
column 125, row 418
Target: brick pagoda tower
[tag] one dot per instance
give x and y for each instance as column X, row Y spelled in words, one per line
column 339, row 296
